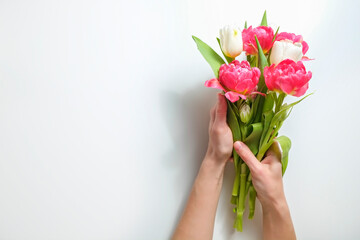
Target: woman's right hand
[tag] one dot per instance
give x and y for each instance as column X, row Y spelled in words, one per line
column 267, row 181
column 266, row 175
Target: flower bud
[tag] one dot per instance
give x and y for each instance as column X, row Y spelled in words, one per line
column 245, row 113
column 231, row 41
column 286, row 49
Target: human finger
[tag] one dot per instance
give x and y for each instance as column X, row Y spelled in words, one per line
column 221, row 110
column 246, row 155
column 270, row 159
column 273, row 154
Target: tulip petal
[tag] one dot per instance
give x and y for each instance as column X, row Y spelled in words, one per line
column 233, row 96
column 214, row 83
column 305, row 47
column 301, row 91
column 305, row 58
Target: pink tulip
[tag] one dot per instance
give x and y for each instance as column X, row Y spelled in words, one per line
column 265, row 36
column 294, row 38
column 288, row 76
column 237, row 79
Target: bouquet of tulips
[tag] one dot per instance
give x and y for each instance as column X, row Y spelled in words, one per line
column 255, row 89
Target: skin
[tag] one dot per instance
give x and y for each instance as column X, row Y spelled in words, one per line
column 197, row 221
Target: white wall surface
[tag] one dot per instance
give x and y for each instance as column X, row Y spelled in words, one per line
column 103, row 117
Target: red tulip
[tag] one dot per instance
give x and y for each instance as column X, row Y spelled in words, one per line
column 265, row 36
column 237, row 79
column 288, row 76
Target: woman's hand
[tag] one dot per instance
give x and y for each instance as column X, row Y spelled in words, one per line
column 267, row 181
column 220, row 137
column 266, row 175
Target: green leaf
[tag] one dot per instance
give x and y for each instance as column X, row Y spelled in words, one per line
column 262, row 64
column 245, row 25
column 253, row 61
column 267, row 117
column 210, row 56
column 228, row 59
column 235, row 110
column 253, row 138
column 281, row 148
column 276, row 33
column 261, row 56
column 258, row 106
column 264, row 20
column 233, row 123
column 269, row 102
column 283, row 113
column 235, row 129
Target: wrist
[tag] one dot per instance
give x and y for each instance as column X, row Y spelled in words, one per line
column 212, row 168
column 215, row 156
column 275, row 206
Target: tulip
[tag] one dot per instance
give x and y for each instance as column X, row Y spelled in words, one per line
column 288, row 76
column 293, row 38
column 286, row 49
column 265, row 36
column 237, row 80
column 231, row 41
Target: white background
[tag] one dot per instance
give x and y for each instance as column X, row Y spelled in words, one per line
column 103, row 117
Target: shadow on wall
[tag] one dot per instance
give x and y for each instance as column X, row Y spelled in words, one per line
column 187, row 118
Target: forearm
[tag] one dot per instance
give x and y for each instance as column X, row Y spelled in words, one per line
column 277, row 223
column 198, row 218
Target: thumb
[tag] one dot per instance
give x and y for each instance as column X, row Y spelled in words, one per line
column 221, row 110
column 271, row 157
column 246, row 155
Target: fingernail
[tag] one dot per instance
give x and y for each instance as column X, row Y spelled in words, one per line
column 237, row 145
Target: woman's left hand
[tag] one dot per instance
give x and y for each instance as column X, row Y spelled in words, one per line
column 220, row 137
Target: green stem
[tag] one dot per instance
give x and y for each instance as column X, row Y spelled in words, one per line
column 266, row 146
column 234, row 201
column 276, row 130
column 239, row 102
column 252, row 199
column 279, row 102
column 271, row 132
column 241, row 201
column 263, row 150
column 267, row 136
column 243, row 130
column 237, row 159
column 235, row 191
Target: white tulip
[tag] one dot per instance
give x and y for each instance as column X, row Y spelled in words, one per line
column 231, row 41
column 286, row 49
